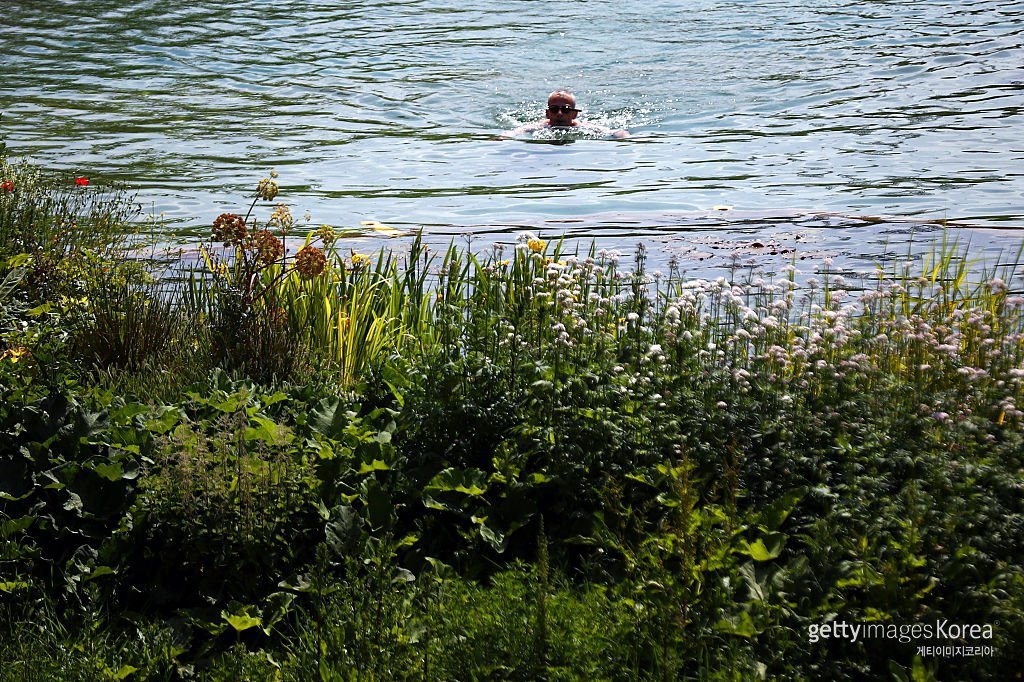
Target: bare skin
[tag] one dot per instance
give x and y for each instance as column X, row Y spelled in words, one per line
column 562, row 113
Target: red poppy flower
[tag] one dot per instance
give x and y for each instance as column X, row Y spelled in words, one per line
column 7, row 185
column 81, row 182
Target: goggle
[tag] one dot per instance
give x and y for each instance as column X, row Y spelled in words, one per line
column 562, row 108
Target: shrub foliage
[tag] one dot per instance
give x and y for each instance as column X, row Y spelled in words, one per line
column 291, row 461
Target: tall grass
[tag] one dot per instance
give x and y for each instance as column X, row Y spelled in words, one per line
column 362, row 311
column 942, row 328
column 576, row 311
column 63, row 228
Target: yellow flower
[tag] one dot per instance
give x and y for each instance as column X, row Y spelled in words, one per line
column 15, row 354
column 360, row 259
column 536, row 245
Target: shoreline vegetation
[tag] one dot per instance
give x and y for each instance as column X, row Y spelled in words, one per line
column 289, row 461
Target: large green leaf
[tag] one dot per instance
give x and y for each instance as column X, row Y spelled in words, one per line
column 241, row 621
column 110, row 471
column 738, row 624
column 13, row 586
column 339, row 528
column 775, row 514
column 449, row 489
column 276, row 607
column 90, row 424
column 274, row 399
column 12, row 526
column 266, row 430
column 100, row 571
column 124, row 672
column 231, row 403
column 375, row 465
column 491, row 535
column 126, row 413
column 378, row 504
column 465, row 481
column 767, row 548
column 330, row 418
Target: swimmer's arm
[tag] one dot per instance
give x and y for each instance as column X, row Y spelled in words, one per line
column 524, row 129
column 619, row 134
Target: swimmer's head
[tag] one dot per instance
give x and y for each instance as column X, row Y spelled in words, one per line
column 562, row 111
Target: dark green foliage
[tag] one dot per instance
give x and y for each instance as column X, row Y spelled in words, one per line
column 569, row 474
column 133, row 326
column 253, row 342
column 224, row 509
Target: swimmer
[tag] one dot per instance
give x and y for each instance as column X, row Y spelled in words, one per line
column 561, row 114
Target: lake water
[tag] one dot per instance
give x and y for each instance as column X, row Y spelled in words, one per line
column 803, row 116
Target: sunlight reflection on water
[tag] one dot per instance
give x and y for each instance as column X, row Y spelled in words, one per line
column 390, row 111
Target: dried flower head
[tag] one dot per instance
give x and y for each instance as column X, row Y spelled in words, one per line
column 281, row 218
column 310, row 261
column 229, row 228
column 268, row 247
column 267, row 188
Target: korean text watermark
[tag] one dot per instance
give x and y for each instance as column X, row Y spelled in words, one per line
column 937, row 638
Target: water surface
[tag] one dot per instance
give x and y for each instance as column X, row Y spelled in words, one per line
column 389, row 111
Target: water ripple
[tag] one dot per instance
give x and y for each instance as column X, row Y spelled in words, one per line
column 389, row 110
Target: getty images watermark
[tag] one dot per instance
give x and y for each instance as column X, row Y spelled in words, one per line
column 943, row 638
